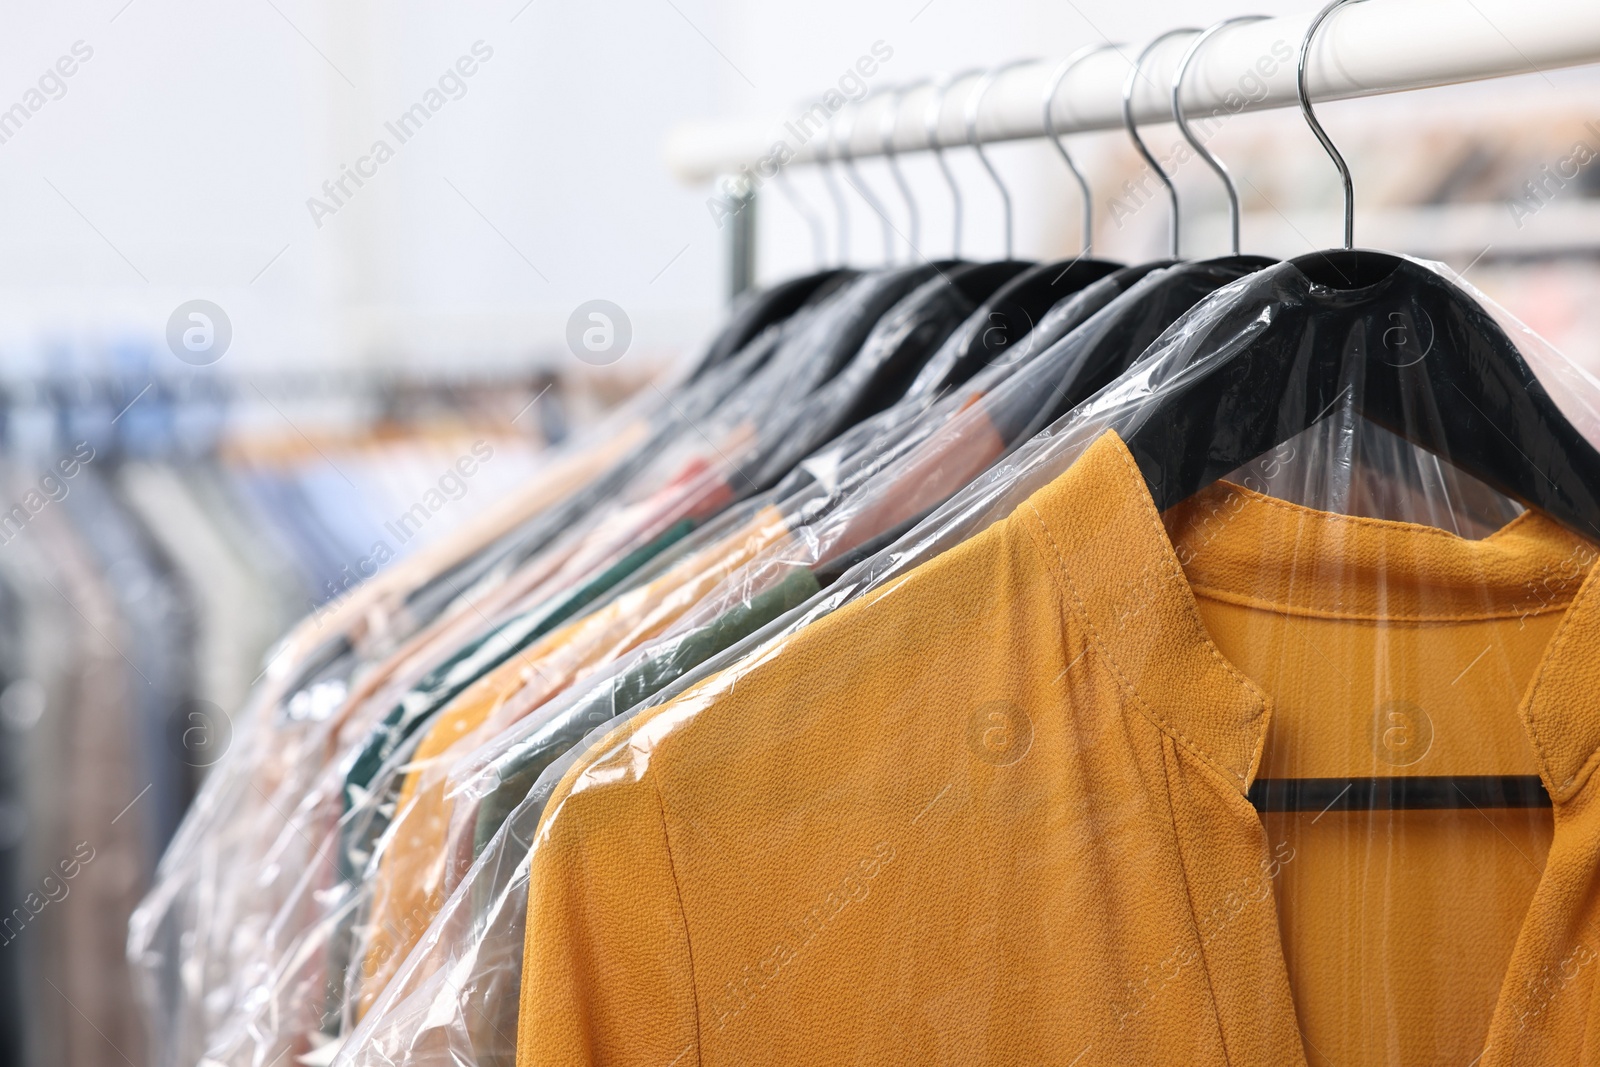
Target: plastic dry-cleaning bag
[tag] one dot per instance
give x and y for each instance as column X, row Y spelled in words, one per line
column 1344, row 542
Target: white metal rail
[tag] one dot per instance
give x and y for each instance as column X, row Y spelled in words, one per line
column 1377, row 46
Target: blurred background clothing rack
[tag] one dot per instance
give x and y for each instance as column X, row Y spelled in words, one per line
column 160, row 529
column 186, row 412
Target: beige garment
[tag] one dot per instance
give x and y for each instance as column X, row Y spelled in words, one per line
column 103, row 827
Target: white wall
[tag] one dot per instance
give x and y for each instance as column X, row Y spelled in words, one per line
column 179, row 162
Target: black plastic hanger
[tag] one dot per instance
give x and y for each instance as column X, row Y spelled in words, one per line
column 1390, row 340
column 881, row 364
column 903, row 335
column 915, row 330
column 1005, row 325
column 1133, row 322
column 1393, row 342
column 757, row 310
column 917, row 327
column 1409, row 351
column 1005, row 322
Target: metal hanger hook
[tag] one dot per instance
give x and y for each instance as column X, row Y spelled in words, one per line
column 930, row 129
column 841, row 213
column 1183, row 123
column 1128, row 86
column 819, row 236
column 974, row 100
column 1054, row 87
column 886, row 130
column 858, row 183
column 1316, row 127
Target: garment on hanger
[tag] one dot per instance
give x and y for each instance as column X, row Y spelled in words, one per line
column 100, row 851
column 887, row 690
column 229, row 644
column 158, row 620
column 747, row 610
column 1180, row 730
column 1151, row 619
column 1190, row 662
column 693, row 482
column 918, row 324
column 15, row 870
column 305, row 677
column 804, row 347
column 38, row 711
column 975, row 426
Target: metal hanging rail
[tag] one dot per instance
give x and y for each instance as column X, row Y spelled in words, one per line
column 1364, row 49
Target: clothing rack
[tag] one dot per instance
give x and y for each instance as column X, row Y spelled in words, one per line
column 1363, row 49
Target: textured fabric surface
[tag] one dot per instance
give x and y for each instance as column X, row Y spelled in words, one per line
column 996, row 812
column 409, row 888
column 1388, row 649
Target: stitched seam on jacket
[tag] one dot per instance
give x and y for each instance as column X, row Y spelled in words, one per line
column 1227, row 596
column 1069, row 589
column 1174, row 569
column 1558, row 790
column 1315, row 515
column 683, row 916
column 1194, row 915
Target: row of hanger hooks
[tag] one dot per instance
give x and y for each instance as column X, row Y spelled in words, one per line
column 834, row 146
